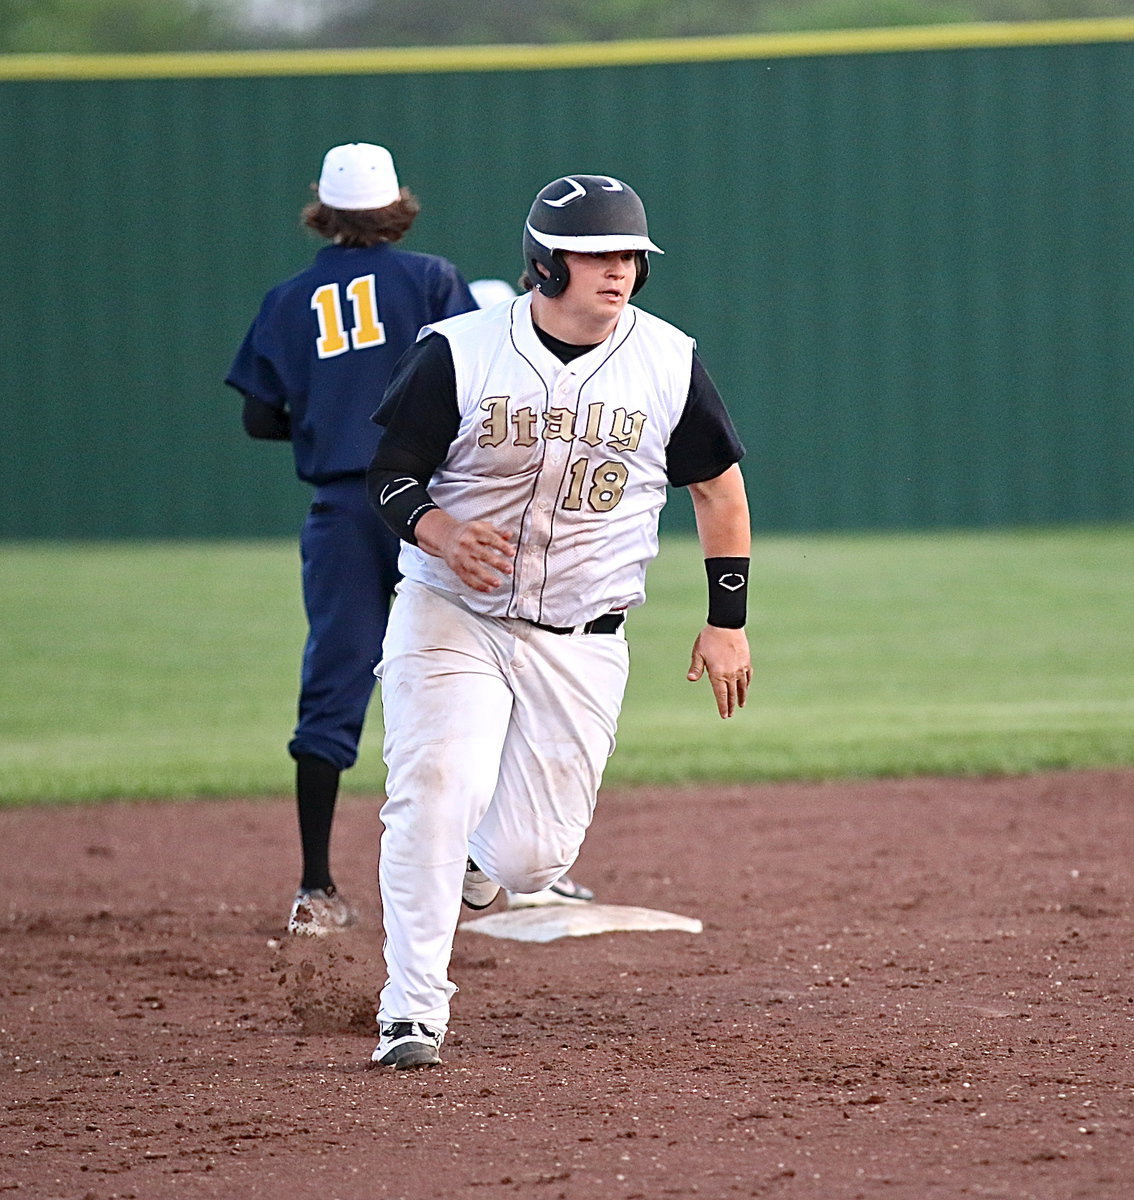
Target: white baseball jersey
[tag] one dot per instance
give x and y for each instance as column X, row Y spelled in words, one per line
column 558, row 455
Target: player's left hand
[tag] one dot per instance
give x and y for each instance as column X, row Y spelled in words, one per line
column 724, row 655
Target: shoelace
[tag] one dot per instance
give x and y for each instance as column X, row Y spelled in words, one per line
column 413, row 1029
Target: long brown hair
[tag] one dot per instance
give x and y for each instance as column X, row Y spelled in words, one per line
column 363, row 227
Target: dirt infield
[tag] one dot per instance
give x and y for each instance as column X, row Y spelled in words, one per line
column 904, row 990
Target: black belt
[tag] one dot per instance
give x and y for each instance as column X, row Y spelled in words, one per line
column 607, row 623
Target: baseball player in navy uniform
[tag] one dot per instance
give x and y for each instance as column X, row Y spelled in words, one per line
column 524, row 464
column 310, row 368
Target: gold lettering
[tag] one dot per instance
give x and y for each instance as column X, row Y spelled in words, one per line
column 607, row 485
column 590, row 434
column 496, row 423
column 559, row 425
column 573, row 501
column 368, row 330
column 332, row 339
column 524, row 422
column 626, row 430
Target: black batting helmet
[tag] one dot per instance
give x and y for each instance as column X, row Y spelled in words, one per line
column 591, row 214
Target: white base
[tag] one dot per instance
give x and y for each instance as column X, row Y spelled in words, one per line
column 577, row 920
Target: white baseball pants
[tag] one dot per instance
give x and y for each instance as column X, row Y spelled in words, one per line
column 496, row 737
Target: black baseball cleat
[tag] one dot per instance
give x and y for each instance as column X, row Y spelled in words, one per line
column 478, row 891
column 570, row 891
column 563, row 891
column 405, row 1044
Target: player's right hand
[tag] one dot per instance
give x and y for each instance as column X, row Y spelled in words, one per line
column 477, row 552
column 723, row 655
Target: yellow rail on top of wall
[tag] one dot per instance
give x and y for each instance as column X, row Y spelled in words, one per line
column 423, row 59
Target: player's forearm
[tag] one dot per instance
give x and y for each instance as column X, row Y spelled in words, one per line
column 435, row 531
column 720, row 506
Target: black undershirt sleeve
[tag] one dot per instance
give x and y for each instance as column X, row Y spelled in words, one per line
column 398, row 492
column 419, row 411
column 263, row 421
column 704, row 442
column 419, row 419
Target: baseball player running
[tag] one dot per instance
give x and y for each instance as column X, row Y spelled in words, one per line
column 524, row 464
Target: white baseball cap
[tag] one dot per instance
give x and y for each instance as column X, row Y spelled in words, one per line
column 358, row 175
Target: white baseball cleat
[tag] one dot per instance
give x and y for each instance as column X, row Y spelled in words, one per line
column 563, row 891
column 405, row 1044
column 478, row 890
column 318, row 912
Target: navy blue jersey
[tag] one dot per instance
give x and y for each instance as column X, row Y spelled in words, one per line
column 325, row 342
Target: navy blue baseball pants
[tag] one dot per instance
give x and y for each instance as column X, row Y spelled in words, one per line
column 350, row 571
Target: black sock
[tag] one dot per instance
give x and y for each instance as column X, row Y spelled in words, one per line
column 316, row 789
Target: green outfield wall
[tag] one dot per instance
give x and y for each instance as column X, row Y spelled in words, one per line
column 907, row 256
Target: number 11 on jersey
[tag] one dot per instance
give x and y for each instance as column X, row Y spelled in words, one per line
column 366, row 331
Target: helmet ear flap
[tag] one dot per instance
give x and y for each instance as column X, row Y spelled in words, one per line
column 557, row 274
column 643, row 272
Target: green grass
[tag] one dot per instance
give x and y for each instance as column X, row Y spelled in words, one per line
column 170, row 669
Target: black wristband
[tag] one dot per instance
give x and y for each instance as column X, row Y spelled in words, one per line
column 728, row 591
